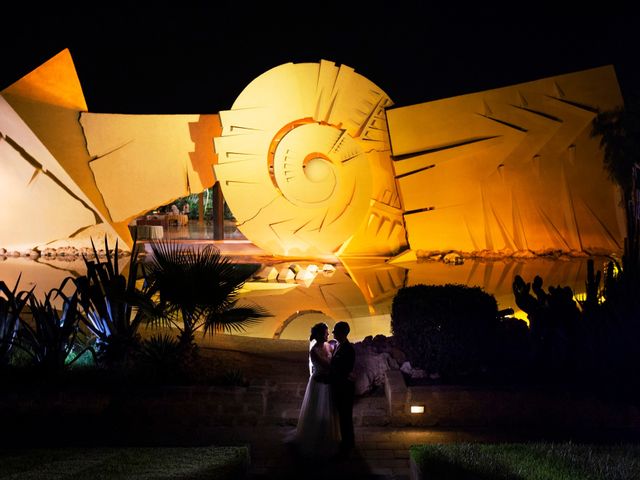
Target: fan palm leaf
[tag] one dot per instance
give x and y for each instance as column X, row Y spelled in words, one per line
column 233, row 319
column 199, row 288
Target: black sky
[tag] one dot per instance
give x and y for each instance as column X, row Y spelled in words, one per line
column 198, row 60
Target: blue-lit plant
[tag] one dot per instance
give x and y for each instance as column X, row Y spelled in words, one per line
column 51, row 333
column 113, row 307
column 12, row 302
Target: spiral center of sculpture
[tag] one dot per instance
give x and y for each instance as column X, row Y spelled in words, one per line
column 317, row 169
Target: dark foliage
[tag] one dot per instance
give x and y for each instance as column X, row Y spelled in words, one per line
column 512, row 354
column 619, row 134
column 12, row 302
column 114, row 307
column 596, row 342
column 198, row 288
column 445, row 329
column 51, row 334
column 554, row 321
column 160, row 359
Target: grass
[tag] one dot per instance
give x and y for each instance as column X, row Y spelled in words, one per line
column 125, row 463
column 521, row 461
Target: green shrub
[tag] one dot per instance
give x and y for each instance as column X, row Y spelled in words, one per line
column 160, row 358
column 512, row 357
column 445, row 329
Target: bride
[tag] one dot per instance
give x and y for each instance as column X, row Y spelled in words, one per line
column 318, row 430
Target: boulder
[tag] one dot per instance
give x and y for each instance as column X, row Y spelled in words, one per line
column 411, row 372
column 375, row 356
column 67, row 251
column 454, row 258
column 524, row 254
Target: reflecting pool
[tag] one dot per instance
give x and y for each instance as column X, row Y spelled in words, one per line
column 359, row 291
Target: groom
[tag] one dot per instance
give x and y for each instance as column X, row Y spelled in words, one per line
column 343, row 389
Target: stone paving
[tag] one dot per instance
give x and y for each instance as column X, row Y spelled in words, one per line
column 381, row 452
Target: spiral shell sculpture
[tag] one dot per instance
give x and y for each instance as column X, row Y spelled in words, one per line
column 297, row 156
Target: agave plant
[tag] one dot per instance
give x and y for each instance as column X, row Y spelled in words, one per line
column 198, row 288
column 52, row 333
column 113, row 306
column 10, row 310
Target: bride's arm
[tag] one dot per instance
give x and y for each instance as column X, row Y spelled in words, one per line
column 319, row 357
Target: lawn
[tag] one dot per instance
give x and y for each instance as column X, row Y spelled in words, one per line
column 124, row 463
column 522, row 461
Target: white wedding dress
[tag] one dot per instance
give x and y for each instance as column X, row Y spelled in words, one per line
column 318, row 431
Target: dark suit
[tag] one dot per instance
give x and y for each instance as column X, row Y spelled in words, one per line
column 343, row 390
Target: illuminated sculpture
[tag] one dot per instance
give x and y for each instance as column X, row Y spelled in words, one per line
column 308, row 166
column 509, row 170
column 303, row 161
column 46, row 186
column 69, row 176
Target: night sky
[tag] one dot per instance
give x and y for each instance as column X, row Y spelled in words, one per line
column 198, row 60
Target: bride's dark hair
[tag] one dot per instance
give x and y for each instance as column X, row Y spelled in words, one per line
column 317, row 329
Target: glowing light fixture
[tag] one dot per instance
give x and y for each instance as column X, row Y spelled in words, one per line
column 417, row 408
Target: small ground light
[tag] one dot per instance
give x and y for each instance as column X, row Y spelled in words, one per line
column 417, row 408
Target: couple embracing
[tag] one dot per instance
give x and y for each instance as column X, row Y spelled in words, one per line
column 325, row 425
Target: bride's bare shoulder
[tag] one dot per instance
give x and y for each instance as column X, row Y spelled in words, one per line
column 315, row 350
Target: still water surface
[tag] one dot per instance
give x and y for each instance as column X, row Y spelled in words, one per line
column 357, row 291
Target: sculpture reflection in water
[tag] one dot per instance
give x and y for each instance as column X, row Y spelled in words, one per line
column 359, row 291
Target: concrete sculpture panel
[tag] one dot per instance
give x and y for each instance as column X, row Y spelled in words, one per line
column 45, row 184
column 509, row 170
column 304, row 164
column 314, row 160
column 143, row 161
column 70, row 176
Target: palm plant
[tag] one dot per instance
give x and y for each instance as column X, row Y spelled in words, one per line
column 113, row 306
column 619, row 132
column 198, row 288
column 52, row 334
column 10, row 310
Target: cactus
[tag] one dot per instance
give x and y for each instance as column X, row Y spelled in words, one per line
column 592, row 286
